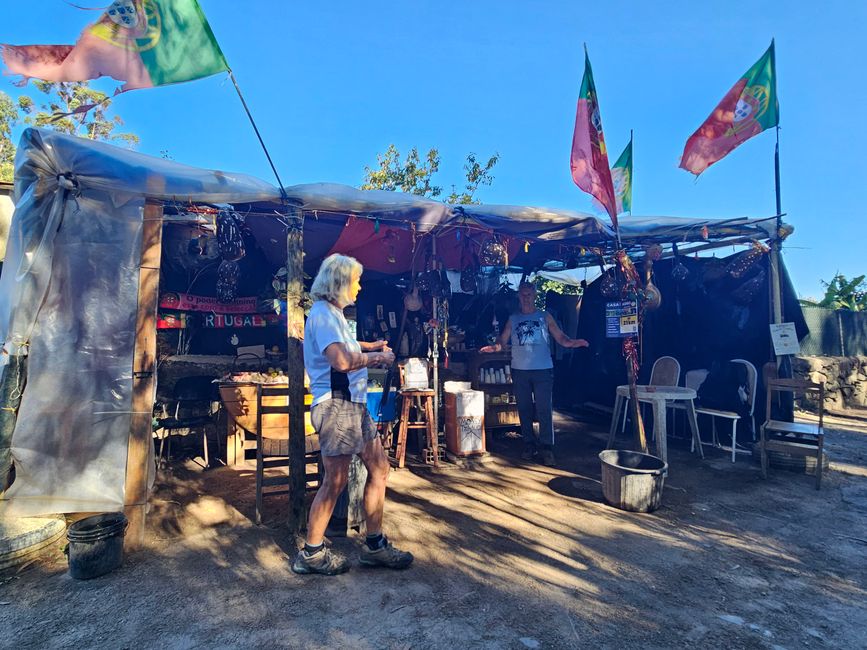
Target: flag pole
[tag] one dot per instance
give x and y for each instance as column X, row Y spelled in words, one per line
column 631, row 164
column 775, row 241
column 258, row 135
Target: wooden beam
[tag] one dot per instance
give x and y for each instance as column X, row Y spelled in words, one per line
column 295, row 369
column 139, row 451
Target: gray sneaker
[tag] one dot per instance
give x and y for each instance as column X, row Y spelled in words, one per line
column 387, row 556
column 324, row 561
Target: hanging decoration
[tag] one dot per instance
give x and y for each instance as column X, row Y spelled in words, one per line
column 227, row 280
column 608, row 286
column 494, row 253
column 743, row 262
column 745, row 293
column 678, row 271
column 229, row 239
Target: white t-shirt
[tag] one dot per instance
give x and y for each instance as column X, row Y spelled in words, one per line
column 326, row 325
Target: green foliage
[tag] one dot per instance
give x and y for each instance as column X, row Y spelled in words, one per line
column 841, row 293
column 8, row 119
column 544, row 285
column 64, row 98
column 476, row 175
column 414, row 174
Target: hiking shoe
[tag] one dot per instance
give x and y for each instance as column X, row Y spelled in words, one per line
column 387, row 556
column 528, row 453
column 324, row 561
column 548, row 458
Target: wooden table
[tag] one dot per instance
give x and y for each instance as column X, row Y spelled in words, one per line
column 658, row 396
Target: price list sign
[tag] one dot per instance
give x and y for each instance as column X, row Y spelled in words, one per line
column 621, row 319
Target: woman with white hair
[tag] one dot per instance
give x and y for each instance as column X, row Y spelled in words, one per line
column 337, row 367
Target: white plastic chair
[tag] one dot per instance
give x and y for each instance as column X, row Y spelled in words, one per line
column 665, row 372
column 752, row 380
column 693, row 379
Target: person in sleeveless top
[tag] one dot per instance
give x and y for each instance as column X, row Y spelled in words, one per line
column 527, row 333
column 337, row 367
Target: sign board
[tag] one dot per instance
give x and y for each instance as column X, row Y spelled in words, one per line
column 621, row 319
column 785, row 339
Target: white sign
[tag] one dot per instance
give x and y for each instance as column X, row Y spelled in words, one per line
column 785, row 339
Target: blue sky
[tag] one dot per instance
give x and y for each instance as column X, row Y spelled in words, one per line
column 331, row 84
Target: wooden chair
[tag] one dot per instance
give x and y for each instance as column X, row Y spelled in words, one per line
column 273, row 451
column 422, row 399
column 796, row 438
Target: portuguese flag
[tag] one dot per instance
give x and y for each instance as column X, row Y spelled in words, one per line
column 748, row 108
column 589, row 157
column 143, row 43
column 621, row 178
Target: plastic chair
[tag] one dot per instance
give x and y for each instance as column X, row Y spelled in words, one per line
column 193, row 398
column 752, row 381
column 795, row 438
column 665, row 372
column 693, row 379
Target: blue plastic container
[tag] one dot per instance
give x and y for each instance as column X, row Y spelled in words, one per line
column 374, row 397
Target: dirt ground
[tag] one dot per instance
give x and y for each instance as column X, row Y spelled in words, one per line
column 510, row 555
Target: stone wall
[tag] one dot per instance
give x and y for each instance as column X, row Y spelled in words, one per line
column 844, row 378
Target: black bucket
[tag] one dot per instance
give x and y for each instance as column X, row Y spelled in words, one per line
column 96, row 545
column 631, row 480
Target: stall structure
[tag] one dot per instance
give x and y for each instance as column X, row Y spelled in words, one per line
column 107, row 243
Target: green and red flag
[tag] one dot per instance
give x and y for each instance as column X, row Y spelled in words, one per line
column 143, row 43
column 748, row 108
column 589, row 159
column 621, row 178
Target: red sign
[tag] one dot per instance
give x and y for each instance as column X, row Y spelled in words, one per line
column 218, row 321
column 189, row 302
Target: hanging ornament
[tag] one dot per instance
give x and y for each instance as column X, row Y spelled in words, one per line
column 229, row 239
column 493, row 253
column 745, row 293
column 742, row 262
column 704, row 233
column 679, row 271
column 608, row 286
column 227, row 280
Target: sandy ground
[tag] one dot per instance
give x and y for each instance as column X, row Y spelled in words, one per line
column 513, row 555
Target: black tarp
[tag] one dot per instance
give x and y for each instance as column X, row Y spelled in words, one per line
column 710, row 316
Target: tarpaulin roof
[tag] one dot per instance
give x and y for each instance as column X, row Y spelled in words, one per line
column 377, row 225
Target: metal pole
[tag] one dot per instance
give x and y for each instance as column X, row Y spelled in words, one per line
column 258, row 135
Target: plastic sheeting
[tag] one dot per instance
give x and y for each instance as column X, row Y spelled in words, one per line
column 69, row 297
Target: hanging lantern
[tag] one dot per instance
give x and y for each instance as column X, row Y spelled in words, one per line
column 679, row 271
column 609, row 287
column 227, row 281
column 468, row 279
column 229, row 239
column 493, row 253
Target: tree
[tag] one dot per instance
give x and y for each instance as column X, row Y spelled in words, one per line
column 415, row 176
column 58, row 112
column 8, row 119
column 841, row 293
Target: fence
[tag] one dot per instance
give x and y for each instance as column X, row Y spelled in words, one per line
column 835, row 333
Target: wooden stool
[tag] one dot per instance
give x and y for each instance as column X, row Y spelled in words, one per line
column 423, row 400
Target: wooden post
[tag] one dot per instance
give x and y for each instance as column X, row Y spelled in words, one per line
column 144, row 378
column 295, row 368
